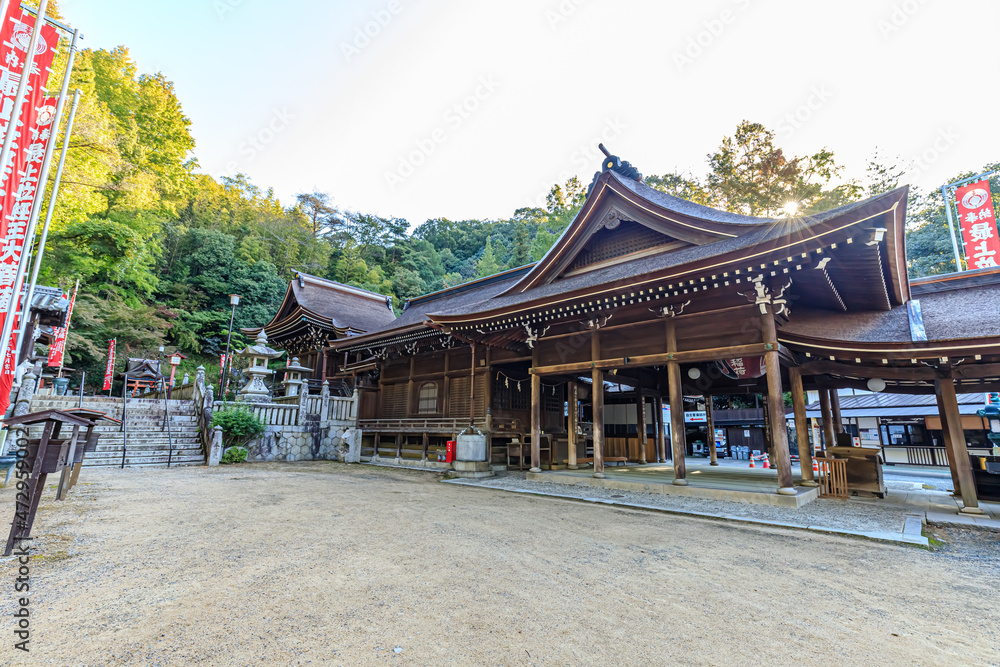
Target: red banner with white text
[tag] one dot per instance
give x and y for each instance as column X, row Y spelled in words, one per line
column 109, row 370
column 58, row 345
column 19, row 175
column 979, row 225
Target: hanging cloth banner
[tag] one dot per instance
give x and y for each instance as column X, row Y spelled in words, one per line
column 222, row 364
column 979, row 226
column 20, row 176
column 109, row 370
column 59, row 336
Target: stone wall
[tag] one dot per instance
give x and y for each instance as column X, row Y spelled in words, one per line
column 309, row 442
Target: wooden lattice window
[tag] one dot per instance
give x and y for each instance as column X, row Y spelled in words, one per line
column 394, row 401
column 627, row 238
column 427, row 398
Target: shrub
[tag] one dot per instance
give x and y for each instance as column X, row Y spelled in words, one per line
column 235, row 455
column 239, row 426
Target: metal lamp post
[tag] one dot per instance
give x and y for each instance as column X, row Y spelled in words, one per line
column 234, row 299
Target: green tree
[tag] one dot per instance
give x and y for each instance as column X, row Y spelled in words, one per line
column 487, row 264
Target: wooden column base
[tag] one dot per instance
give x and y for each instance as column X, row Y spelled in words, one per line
column 534, row 470
column 786, row 491
column 599, row 475
column 971, row 510
column 809, row 482
column 680, row 482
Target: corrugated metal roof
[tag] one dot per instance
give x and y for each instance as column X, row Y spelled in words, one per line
column 897, row 405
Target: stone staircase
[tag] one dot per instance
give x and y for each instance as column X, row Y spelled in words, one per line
column 148, row 444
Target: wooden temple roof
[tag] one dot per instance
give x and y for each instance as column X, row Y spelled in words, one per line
column 315, row 311
column 631, row 243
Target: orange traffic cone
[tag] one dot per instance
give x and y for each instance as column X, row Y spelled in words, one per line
column 751, row 462
column 815, row 465
column 767, row 463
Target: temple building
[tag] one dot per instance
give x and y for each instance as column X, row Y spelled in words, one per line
column 668, row 299
column 316, row 312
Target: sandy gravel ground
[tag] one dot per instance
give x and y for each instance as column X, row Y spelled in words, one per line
column 327, row 564
column 861, row 514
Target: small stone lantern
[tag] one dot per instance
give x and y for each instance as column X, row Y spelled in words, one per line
column 255, row 391
column 293, row 377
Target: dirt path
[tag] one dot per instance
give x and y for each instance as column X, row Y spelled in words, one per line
column 321, row 563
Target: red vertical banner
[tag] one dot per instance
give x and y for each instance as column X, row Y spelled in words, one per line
column 19, row 176
column 979, row 226
column 222, row 364
column 109, row 369
column 58, row 346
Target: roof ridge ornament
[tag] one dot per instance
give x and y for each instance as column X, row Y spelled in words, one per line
column 614, row 163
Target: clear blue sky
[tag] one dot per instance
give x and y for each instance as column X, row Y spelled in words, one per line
column 473, row 109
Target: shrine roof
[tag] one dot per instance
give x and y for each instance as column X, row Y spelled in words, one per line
column 752, row 237
column 328, row 304
column 966, row 309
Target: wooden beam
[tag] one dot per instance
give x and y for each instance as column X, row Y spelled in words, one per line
column 691, row 356
column 572, row 419
column 959, row 456
column 677, row 441
column 597, row 400
column 801, row 427
column 776, row 408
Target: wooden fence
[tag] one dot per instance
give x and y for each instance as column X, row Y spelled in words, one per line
column 832, row 478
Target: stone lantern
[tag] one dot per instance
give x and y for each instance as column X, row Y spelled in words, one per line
column 258, row 354
column 293, row 377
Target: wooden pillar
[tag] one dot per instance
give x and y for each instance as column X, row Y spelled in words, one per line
column 424, row 442
column 713, row 451
column 399, row 445
column 776, row 407
column 829, row 438
column 472, row 388
column 573, row 417
column 677, row 441
column 955, row 485
column 838, row 422
column 640, row 424
column 597, row 400
column 661, row 445
column 536, row 415
column 958, row 457
column 410, row 398
column 801, row 427
column 446, row 394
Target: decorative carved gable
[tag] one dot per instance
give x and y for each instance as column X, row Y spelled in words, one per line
column 620, row 240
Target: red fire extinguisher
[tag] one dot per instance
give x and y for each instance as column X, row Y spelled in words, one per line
column 449, row 454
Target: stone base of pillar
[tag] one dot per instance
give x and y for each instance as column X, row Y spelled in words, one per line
column 573, row 467
column 786, row 491
column 714, row 464
column 534, row 470
column 680, row 482
column 810, row 482
column 598, row 475
column 472, row 469
column 971, row 510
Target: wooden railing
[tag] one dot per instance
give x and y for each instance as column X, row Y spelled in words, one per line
column 416, row 425
column 832, row 478
column 927, row 456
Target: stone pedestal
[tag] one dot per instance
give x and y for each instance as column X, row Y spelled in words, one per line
column 472, row 469
column 471, row 447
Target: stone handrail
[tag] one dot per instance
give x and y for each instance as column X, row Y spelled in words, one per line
column 271, row 414
column 343, row 408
